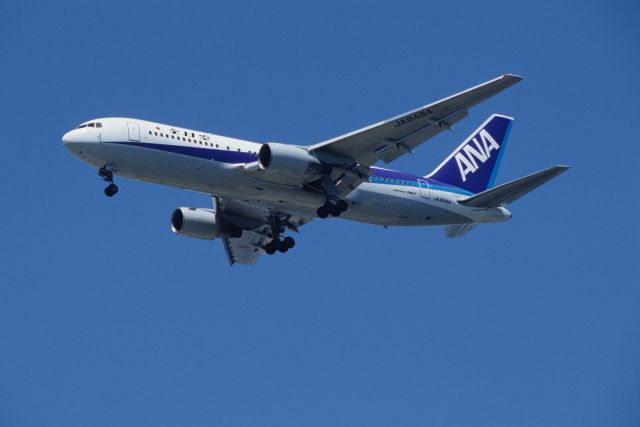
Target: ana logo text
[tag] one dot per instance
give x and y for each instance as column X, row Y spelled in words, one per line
column 467, row 158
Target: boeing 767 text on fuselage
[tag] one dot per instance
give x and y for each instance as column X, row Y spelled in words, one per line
column 259, row 191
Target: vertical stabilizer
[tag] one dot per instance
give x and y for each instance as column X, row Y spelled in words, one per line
column 474, row 164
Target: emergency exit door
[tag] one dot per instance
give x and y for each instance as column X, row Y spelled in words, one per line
column 134, row 131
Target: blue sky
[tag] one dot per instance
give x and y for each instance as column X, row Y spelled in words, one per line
column 106, row 318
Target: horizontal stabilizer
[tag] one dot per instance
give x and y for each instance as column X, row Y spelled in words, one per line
column 454, row 231
column 511, row 191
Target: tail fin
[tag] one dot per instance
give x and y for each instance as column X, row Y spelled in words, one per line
column 474, row 164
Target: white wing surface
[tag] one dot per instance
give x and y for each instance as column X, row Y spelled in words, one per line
column 389, row 139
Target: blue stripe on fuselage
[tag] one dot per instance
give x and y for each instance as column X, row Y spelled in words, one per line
column 223, row 156
column 391, row 177
column 379, row 176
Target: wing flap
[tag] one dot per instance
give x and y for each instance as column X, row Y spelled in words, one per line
column 245, row 249
column 256, row 223
column 455, row 231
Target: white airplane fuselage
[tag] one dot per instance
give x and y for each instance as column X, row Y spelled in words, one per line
column 215, row 165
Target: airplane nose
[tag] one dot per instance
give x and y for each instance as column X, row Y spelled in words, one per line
column 72, row 138
column 68, row 137
column 72, row 142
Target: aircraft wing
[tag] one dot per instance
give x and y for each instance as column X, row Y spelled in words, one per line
column 389, row 139
column 247, row 248
column 455, row 231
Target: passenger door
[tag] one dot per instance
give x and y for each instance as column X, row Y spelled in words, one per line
column 134, row 131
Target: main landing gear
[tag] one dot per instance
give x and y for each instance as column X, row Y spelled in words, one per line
column 279, row 245
column 332, row 209
column 106, row 173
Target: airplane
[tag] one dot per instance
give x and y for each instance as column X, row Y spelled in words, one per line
column 260, row 191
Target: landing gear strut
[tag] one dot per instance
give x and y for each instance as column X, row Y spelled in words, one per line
column 332, row 209
column 279, row 245
column 106, row 173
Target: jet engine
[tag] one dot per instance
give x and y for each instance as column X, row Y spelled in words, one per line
column 288, row 159
column 200, row 224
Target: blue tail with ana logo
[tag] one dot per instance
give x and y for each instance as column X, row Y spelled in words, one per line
column 474, row 164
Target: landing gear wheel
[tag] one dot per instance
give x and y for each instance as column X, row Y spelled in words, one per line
column 111, row 190
column 283, row 248
column 288, row 242
column 269, row 248
column 322, row 212
column 342, row 206
column 333, row 209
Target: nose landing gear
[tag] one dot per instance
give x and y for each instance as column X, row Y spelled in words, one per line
column 106, row 173
column 111, row 190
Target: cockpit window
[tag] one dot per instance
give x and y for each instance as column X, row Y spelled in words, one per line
column 90, row 125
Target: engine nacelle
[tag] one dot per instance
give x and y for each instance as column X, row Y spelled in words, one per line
column 200, row 223
column 288, row 159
